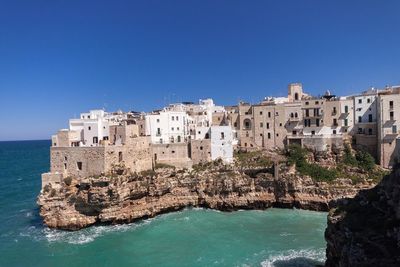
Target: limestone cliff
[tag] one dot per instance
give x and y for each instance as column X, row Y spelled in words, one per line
column 365, row 231
column 126, row 198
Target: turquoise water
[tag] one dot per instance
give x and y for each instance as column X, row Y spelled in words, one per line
column 192, row 237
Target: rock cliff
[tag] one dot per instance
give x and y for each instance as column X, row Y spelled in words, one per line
column 126, row 198
column 365, row 231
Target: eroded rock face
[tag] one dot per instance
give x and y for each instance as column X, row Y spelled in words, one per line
column 126, row 198
column 365, row 231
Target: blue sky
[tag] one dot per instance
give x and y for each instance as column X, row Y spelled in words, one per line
column 60, row 58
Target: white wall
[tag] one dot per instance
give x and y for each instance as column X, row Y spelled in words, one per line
column 221, row 147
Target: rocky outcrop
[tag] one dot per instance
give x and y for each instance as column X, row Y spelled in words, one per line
column 365, row 231
column 126, row 198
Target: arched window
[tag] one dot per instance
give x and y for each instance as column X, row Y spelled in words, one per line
column 247, row 124
column 296, row 96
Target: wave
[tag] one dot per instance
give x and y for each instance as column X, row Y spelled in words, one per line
column 296, row 258
column 80, row 237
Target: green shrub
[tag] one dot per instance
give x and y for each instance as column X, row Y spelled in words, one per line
column 348, row 158
column 163, row 165
column 365, row 160
column 297, row 155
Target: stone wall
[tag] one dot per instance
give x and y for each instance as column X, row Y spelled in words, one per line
column 200, row 150
column 175, row 154
column 77, row 161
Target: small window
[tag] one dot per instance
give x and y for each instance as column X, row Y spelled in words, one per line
column 158, row 120
column 177, row 118
column 359, row 101
column 359, row 119
column 201, row 148
column 269, row 114
column 65, row 158
column 394, row 129
column 65, row 166
column 316, row 102
column 334, row 131
column 312, row 132
column 173, row 151
column 269, row 135
column 267, row 125
column 369, row 131
column 261, row 124
column 391, row 104
column 79, row 165
column 280, row 124
column 260, row 112
column 173, row 118
column 368, row 100
column 89, row 128
column 370, row 118
column 307, row 103
column 222, row 135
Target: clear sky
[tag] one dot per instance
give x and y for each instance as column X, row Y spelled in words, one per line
column 60, row 58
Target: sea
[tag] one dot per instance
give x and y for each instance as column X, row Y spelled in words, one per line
column 191, row 237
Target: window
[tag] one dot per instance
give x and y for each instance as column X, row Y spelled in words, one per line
column 173, row 151
column 65, row 166
column 260, row 112
column 158, row 120
column 369, row 131
column 307, row 113
column 177, row 128
column 317, row 122
column 307, row 103
column 172, row 128
column 79, row 165
column 394, row 129
column 173, row 118
column 247, row 124
column 360, row 130
column 277, row 134
column 296, row 96
column 370, row 118
column 158, row 131
column 267, row 125
column 312, row 132
column 177, row 118
column 269, row 135
column 359, row 119
column 295, row 115
column 261, row 124
column 291, row 115
column 201, row 148
column 391, row 104
column 369, row 100
column 222, row 135
column 346, row 122
column 269, row 114
column 261, row 134
column 359, row 101
column 346, row 109
column 334, row 110
column 294, row 132
column 391, row 114
column 95, row 140
column 280, row 124
column 334, row 131
column 316, row 102
column 335, row 122
column 89, row 128
column 235, row 124
column 276, row 114
column 65, row 158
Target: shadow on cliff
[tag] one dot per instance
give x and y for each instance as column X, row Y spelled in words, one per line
column 365, row 230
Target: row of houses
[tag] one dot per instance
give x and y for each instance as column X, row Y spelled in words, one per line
column 188, row 133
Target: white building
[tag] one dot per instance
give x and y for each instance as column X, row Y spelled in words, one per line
column 222, row 143
column 94, row 126
column 167, row 126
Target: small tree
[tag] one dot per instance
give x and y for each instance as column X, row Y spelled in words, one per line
column 365, row 160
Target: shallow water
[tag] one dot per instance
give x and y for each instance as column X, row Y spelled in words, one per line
column 192, row 237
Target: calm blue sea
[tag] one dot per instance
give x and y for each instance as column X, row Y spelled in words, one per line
column 194, row 237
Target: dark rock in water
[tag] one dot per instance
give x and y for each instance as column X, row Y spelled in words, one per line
column 365, row 230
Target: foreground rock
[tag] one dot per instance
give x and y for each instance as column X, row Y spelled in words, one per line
column 126, row 198
column 365, row 231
